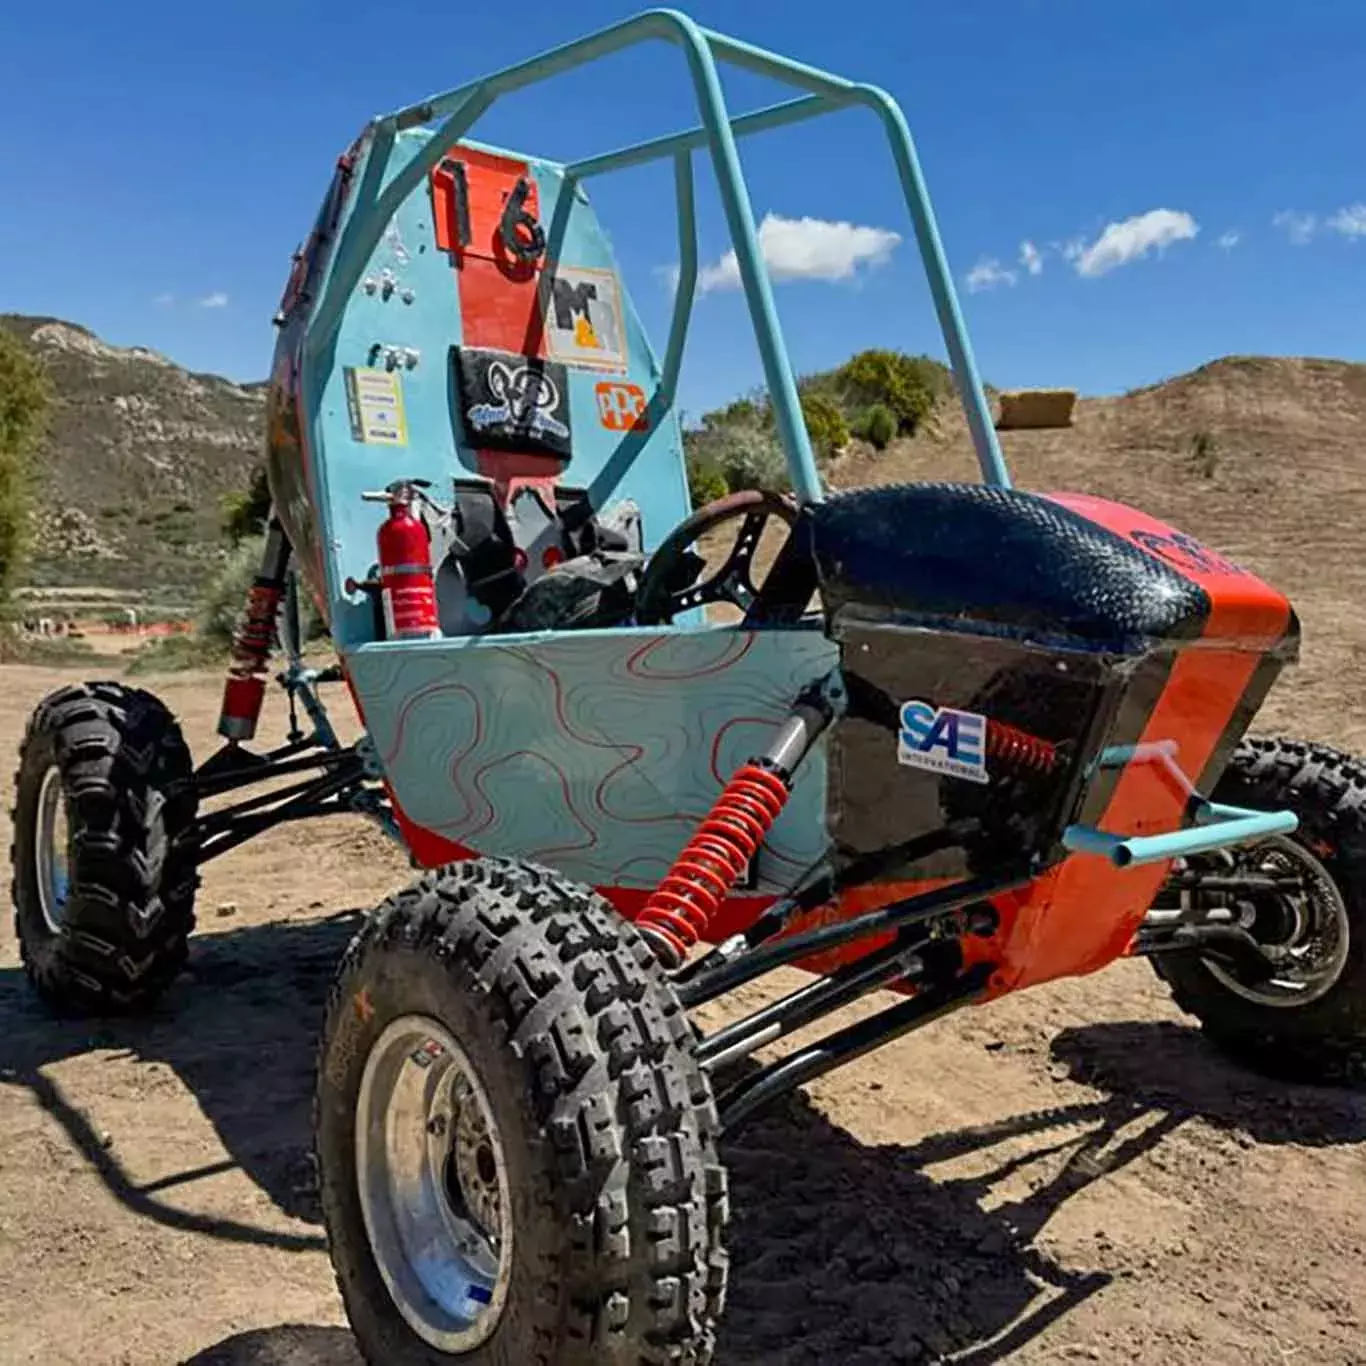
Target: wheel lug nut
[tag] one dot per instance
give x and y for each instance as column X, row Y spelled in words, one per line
column 436, row 1126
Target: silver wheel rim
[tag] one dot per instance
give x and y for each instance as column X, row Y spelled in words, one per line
column 434, row 1187
column 1319, row 938
column 52, row 850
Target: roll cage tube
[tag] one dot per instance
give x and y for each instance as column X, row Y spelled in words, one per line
column 375, row 204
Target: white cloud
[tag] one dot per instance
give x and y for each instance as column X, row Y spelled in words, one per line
column 1351, row 221
column 1031, row 258
column 215, row 300
column 164, row 300
column 1298, row 227
column 1071, row 252
column 807, row 249
column 1134, row 238
column 988, row 273
column 1228, row 240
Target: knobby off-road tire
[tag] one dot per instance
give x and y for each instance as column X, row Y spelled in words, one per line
column 605, row 1123
column 1321, row 1039
column 112, row 760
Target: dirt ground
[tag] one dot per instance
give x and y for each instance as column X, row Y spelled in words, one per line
column 1069, row 1176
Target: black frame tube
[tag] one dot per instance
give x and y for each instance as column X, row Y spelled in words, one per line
column 734, row 972
column 312, row 800
column 227, row 815
column 215, row 784
column 809, row 1003
column 1230, row 943
column 786, row 1074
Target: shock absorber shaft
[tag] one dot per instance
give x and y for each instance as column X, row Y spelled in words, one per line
column 680, row 911
column 245, row 688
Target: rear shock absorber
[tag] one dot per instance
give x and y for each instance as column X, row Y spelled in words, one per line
column 245, row 688
column 680, row 910
column 1018, row 749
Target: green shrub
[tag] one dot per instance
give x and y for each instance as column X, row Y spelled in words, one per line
column 245, row 513
column 825, row 425
column 171, row 654
column 226, row 593
column 706, row 483
column 751, row 459
column 226, row 596
column 1205, row 454
column 876, row 425
column 25, row 396
column 743, row 448
column 908, row 386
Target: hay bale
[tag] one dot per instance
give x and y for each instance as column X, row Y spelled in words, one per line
column 1029, row 408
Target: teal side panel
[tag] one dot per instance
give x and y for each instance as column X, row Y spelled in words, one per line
column 596, row 752
column 413, row 308
column 402, row 321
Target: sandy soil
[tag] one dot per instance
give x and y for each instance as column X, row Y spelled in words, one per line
column 1069, row 1176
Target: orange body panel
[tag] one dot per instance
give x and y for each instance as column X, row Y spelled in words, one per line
column 1084, row 913
column 500, row 303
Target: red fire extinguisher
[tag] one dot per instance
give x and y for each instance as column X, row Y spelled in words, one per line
column 407, row 585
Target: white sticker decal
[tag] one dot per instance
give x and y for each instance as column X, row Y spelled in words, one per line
column 374, row 400
column 583, row 318
column 943, row 740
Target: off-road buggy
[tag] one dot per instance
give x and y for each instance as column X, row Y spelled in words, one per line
column 963, row 739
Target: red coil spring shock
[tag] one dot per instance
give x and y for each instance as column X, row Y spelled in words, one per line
column 1019, row 749
column 680, row 910
column 245, row 688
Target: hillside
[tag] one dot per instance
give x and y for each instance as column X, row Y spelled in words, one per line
column 1262, row 458
column 139, row 455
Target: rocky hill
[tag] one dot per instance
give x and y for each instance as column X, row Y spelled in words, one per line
column 139, row 455
column 1263, row 458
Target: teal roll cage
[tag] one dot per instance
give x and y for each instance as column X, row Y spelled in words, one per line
column 458, row 110
column 376, row 202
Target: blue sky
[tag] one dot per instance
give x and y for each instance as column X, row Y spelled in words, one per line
column 1191, row 174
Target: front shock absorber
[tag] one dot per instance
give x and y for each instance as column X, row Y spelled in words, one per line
column 681, row 909
column 245, row 688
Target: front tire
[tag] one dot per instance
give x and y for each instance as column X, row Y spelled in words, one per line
column 103, row 857
column 516, row 1146
column 1309, row 1022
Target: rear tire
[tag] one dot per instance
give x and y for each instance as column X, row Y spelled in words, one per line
column 545, row 1016
column 1321, row 1035
column 103, row 859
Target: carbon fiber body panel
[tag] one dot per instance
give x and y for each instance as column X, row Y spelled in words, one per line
column 1006, row 561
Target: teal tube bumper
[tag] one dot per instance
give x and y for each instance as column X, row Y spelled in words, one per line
column 1217, row 826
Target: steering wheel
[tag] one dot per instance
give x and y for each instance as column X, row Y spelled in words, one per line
column 669, row 583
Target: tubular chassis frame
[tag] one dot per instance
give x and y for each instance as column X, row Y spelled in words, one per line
column 927, row 928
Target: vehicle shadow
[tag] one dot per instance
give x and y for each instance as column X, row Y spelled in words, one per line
column 840, row 1250
column 239, row 1030
column 1172, row 1067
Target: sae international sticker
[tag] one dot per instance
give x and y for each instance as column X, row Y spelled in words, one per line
column 943, row 740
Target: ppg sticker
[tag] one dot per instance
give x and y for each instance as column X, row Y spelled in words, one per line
column 943, row 740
